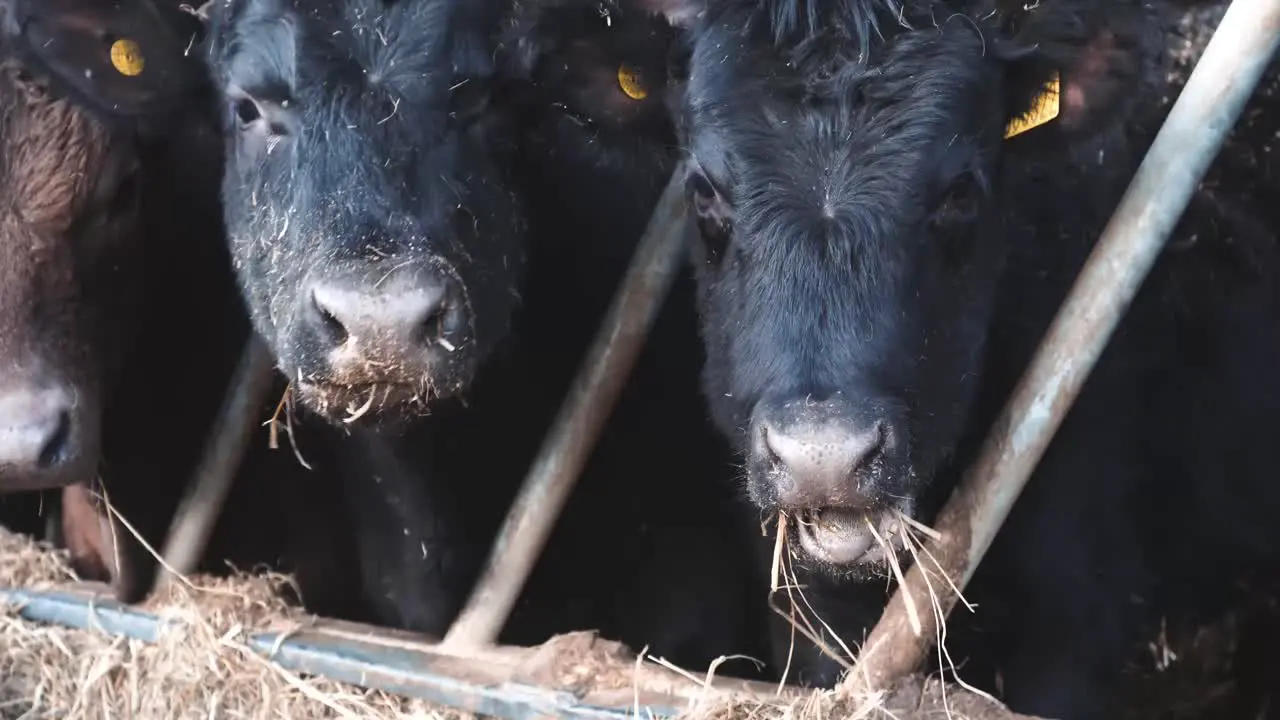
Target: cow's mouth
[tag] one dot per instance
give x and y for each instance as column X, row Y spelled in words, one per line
column 365, row 404
column 845, row 537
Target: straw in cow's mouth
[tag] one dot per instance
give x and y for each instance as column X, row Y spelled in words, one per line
column 351, row 402
column 897, row 532
column 286, row 405
column 846, row 537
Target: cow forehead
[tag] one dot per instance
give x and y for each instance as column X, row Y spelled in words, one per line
column 376, row 74
column 900, row 64
column 832, row 127
column 377, row 35
column 409, row 46
column 841, row 215
column 51, row 150
column 830, row 153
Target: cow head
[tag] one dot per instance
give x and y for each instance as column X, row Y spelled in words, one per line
column 590, row 90
column 84, row 89
column 859, row 170
column 374, row 233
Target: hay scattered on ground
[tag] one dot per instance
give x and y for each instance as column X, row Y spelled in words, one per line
column 203, row 667
column 917, row 698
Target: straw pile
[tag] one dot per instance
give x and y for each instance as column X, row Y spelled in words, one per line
column 203, row 668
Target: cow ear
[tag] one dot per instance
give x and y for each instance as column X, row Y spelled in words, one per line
column 1084, row 72
column 125, row 58
column 680, row 13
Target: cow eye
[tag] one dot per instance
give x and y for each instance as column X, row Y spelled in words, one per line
column 246, row 111
column 243, row 111
column 251, row 115
column 961, row 203
column 258, row 125
column 712, row 214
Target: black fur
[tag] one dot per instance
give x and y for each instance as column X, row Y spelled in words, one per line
column 370, row 150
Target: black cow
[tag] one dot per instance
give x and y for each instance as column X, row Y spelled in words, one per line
column 120, row 321
column 878, row 263
column 591, row 89
column 382, row 220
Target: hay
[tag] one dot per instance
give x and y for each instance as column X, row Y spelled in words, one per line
column 915, row 698
column 202, row 666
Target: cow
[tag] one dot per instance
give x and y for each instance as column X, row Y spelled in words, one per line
column 589, row 84
column 379, row 198
column 120, row 322
column 893, row 198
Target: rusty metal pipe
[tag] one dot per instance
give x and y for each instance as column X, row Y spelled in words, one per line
column 228, row 441
column 1206, row 110
column 582, row 415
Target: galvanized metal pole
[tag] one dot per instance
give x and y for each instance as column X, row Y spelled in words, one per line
column 491, row 682
column 582, row 415
column 225, row 449
column 1189, row 140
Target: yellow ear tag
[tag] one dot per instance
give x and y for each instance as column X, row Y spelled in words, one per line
column 631, row 84
column 126, row 57
column 1045, row 108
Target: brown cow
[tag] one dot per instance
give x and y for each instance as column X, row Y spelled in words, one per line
column 120, row 322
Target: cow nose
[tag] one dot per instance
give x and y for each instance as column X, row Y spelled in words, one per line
column 817, row 465
column 37, row 435
column 400, row 319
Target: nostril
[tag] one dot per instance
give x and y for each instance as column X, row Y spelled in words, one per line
column 770, row 455
column 399, row 318
column 876, row 446
column 56, row 448
column 329, row 324
column 432, row 327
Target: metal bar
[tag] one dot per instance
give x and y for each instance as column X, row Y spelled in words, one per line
column 228, row 441
column 1206, row 110
column 582, row 415
column 90, row 609
column 443, row 680
column 499, row 682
